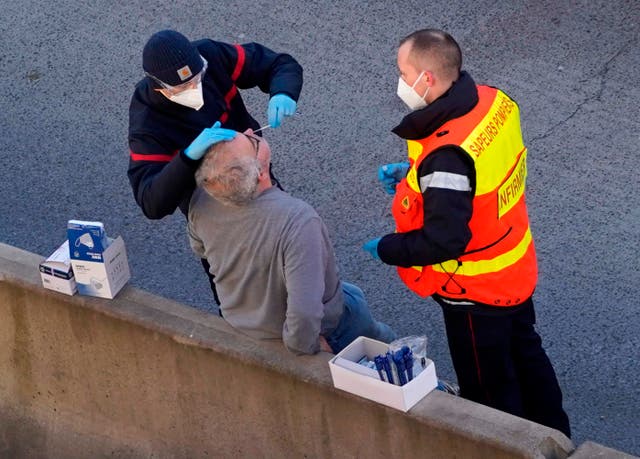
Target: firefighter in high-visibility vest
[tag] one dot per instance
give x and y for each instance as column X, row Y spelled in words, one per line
column 462, row 230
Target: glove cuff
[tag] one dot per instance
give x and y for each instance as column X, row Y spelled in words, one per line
column 290, row 96
column 188, row 159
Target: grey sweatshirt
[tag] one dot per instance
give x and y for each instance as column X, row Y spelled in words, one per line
column 274, row 266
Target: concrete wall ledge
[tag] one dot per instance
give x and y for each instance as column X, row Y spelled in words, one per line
column 143, row 376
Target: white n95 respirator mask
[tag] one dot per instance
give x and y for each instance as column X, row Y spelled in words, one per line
column 191, row 98
column 409, row 96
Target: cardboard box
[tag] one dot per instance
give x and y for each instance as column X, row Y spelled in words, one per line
column 87, row 240
column 352, row 377
column 56, row 272
column 101, row 273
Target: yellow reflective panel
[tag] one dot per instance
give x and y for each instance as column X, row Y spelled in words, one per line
column 412, row 180
column 512, row 189
column 495, row 143
column 474, row 268
column 414, row 149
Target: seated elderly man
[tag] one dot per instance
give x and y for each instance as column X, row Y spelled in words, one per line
column 271, row 256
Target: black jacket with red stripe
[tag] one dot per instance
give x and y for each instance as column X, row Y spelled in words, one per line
column 161, row 175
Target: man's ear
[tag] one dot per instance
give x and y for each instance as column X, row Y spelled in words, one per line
column 210, row 187
column 429, row 78
column 263, row 168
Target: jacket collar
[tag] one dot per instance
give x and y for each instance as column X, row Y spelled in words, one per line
column 461, row 97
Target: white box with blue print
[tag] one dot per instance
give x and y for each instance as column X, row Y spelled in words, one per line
column 56, row 272
column 99, row 263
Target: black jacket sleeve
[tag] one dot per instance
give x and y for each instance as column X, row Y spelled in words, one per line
column 160, row 175
column 159, row 188
column 272, row 72
column 447, row 212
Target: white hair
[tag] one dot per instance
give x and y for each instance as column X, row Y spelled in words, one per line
column 232, row 180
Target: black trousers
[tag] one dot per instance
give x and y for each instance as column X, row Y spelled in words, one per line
column 500, row 362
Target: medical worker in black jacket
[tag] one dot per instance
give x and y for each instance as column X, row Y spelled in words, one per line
column 188, row 101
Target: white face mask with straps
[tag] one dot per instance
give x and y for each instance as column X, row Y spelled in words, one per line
column 409, row 95
column 191, row 98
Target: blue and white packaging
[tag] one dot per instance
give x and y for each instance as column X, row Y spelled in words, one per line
column 56, row 272
column 87, row 240
column 99, row 263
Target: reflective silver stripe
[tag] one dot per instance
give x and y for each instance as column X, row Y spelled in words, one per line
column 447, row 180
column 458, row 303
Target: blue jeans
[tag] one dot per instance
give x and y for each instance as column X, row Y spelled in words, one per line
column 356, row 321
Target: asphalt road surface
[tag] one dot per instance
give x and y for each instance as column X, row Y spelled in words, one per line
column 68, row 69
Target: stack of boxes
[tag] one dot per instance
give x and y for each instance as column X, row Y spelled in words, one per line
column 88, row 262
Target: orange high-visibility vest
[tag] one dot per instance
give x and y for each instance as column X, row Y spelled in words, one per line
column 499, row 264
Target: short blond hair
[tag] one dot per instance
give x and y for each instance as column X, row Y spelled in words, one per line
column 435, row 46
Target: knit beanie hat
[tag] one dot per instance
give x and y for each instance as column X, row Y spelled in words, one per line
column 171, row 58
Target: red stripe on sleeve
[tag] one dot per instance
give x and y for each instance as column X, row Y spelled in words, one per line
column 156, row 158
column 230, row 95
column 239, row 63
column 224, row 117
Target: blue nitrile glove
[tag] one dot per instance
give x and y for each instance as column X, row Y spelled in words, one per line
column 209, row 136
column 391, row 174
column 372, row 247
column 280, row 106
